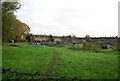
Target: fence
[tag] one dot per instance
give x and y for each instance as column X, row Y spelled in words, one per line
column 9, row 74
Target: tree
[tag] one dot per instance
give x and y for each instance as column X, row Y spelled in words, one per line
column 87, row 38
column 73, row 37
column 29, row 37
column 69, row 38
column 51, row 39
column 21, row 30
column 9, row 23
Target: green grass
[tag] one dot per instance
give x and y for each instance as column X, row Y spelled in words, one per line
column 85, row 64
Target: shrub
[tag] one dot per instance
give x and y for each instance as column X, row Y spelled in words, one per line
column 91, row 46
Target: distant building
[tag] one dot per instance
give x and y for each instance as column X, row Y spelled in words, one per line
column 77, row 39
column 40, row 39
column 57, row 39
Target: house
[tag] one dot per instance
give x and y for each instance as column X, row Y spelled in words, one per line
column 77, row 39
column 39, row 39
column 57, row 39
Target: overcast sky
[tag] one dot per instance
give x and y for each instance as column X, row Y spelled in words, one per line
column 65, row 17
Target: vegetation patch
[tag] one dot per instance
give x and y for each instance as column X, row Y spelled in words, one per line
column 83, row 64
column 91, row 46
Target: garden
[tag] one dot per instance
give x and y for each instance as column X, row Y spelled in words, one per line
column 82, row 64
column 36, row 56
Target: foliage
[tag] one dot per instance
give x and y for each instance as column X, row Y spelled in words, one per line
column 91, row 46
column 10, row 6
column 21, row 30
column 51, row 38
column 30, row 37
column 87, row 37
column 8, row 26
column 9, row 23
column 69, row 38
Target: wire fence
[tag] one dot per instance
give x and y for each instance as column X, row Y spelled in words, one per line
column 9, row 74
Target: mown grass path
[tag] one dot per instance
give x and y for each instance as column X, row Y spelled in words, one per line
column 51, row 67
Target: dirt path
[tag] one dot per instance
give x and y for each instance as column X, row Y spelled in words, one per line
column 51, row 67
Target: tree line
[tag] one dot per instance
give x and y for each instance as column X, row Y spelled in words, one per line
column 11, row 26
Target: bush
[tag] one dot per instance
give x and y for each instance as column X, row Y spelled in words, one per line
column 91, row 46
column 117, row 48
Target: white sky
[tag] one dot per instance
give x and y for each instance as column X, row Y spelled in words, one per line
column 65, row 17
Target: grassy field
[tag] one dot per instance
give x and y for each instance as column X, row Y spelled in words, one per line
column 84, row 64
